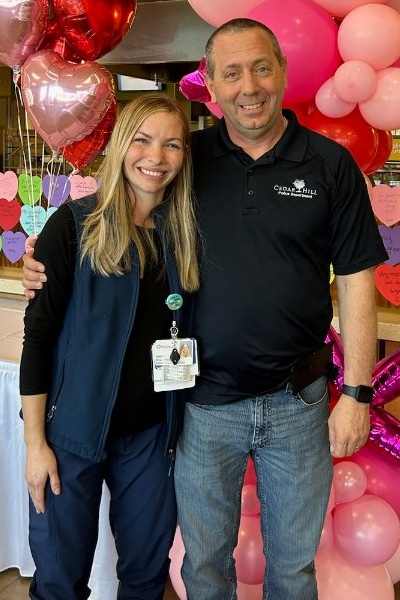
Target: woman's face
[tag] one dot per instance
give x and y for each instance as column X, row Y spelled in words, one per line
column 155, row 155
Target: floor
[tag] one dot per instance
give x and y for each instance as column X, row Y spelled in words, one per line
column 13, row 587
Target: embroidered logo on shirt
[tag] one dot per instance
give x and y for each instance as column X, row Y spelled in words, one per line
column 297, row 190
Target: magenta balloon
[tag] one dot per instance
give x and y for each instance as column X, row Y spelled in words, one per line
column 385, row 431
column 382, row 109
column 386, row 379
column 338, row 358
column 246, row 591
column 23, row 26
column 64, row 100
column 366, row 531
column 218, row 11
column 308, row 37
column 383, row 473
column 371, row 33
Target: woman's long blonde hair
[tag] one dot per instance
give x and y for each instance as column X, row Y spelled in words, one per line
column 109, row 230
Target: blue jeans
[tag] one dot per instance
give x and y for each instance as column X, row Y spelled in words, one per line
column 287, row 437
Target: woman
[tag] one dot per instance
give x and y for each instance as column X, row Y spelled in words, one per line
column 90, row 410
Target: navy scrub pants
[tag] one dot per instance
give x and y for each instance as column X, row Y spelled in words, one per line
column 142, row 518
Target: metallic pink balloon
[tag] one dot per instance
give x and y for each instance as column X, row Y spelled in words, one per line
column 23, row 25
column 386, row 379
column 385, row 427
column 193, row 86
column 65, row 101
column 385, row 432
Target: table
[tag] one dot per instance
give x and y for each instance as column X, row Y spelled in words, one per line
column 14, row 547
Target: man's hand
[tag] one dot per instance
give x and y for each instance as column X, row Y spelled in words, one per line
column 33, row 275
column 349, row 427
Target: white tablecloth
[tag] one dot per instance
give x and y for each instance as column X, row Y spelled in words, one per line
column 14, row 548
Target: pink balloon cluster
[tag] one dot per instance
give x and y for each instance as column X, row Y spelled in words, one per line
column 352, row 82
column 66, row 95
column 361, row 536
column 358, row 557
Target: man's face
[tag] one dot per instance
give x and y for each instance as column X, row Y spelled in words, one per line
column 248, row 83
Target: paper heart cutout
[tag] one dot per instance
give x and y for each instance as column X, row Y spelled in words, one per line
column 64, row 100
column 391, row 240
column 10, row 213
column 82, row 186
column 8, row 185
column 33, row 219
column 56, row 188
column 29, row 188
column 386, row 203
column 13, row 245
column 22, row 27
column 387, row 280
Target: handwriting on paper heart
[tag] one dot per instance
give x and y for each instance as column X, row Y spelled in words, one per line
column 13, row 245
column 82, row 186
column 387, row 281
column 33, row 219
column 10, row 212
column 56, row 188
column 8, row 185
column 386, row 203
column 391, row 240
column 29, row 188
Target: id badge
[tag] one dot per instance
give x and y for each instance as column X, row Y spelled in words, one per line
column 175, row 363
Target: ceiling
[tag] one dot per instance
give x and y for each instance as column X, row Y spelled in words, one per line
column 166, row 40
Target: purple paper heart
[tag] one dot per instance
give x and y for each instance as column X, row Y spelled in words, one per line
column 391, row 240
column 56, row 188
column 13, row 245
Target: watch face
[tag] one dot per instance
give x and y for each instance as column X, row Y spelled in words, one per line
column 365, row 394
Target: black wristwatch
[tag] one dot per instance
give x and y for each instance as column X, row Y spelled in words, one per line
column 362, row 393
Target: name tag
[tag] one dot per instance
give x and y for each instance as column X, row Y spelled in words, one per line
column 175, row 364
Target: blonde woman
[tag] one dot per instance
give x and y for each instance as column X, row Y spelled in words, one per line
column 90, row 411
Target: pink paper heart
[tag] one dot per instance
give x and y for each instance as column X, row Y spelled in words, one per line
column 387, row 280
column 10, row 213
column 8, row 185
column 65, row 100
column 386, row 203
column 82, row 186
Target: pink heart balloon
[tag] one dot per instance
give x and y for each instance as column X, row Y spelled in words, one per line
column 23, row 25
column 65, row 101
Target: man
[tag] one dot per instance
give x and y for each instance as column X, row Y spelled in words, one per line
column 277, row 205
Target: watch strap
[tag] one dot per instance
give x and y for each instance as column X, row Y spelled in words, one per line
column 361, row 393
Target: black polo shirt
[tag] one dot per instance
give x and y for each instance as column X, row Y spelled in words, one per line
column 271, row 229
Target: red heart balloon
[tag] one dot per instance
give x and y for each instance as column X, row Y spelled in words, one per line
column 22, row 27
column 55, row 40
column 385, row 143
column 94, row 27
column 80, row 153
column 65, row 101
